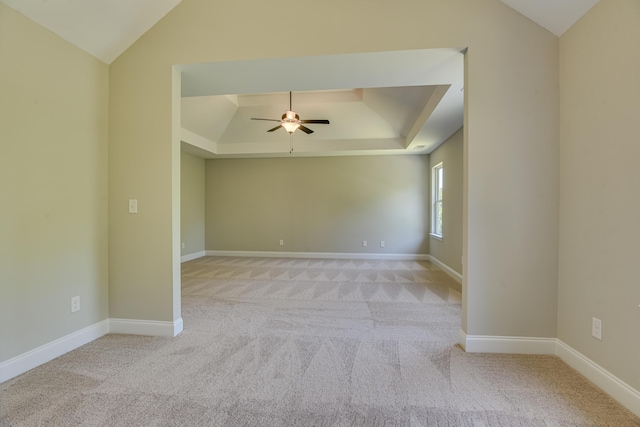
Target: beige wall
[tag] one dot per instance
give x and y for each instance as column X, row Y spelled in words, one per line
column 192, row 203
column 53, row 181
column 599, row 186
column 511, row 133
column 449, row 249
column 319, row 204
column 53, row 129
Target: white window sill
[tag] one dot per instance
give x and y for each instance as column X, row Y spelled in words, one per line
column 436, row 236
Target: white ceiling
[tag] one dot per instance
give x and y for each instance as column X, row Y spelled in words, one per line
column 362, row 121
column 106, row 28
column 379, row 103
column 370, row 112
column 103, row 28
column 556, row 16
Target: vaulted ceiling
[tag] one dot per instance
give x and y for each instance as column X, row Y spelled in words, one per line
column 378, row 107
column 105, row 29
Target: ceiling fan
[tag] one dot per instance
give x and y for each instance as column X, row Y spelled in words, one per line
column 291, row 121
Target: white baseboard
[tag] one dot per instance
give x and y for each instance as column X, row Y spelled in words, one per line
column 178, row 327
column 609, row 383
column 40, row 355
column 43, row 354
column 320, row 255
column 512, row 345
column 145, row 327
column 462, row 339
column 605, row 380
column 195, row 255
column 450, row 271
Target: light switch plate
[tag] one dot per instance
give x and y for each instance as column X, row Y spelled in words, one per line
column 133, row 206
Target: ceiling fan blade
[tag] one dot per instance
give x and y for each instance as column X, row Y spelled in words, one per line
column 320, row 122
column 275, row 128
column 268, row 120
column 305, row 129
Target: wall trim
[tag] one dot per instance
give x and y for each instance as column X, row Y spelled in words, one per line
column 195, row 255
column 605, row 380
column 146, row 327
column 450, row 271
column 38, row 356
column 512, row 345
column 56, row 348
column 462, row 339
column 329, row 255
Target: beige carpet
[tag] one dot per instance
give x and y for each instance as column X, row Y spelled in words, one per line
column 291, row 342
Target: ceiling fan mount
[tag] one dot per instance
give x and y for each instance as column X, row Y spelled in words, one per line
column 291, row 121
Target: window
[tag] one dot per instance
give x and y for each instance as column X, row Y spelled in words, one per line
column 437, row 182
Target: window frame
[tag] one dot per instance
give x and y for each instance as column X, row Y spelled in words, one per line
column 437, row 205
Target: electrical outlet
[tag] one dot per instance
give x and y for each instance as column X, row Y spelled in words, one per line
column 281, row 242
column 382, row 243
column 596, row 328
column 364, row 243
column 75, row 304
column 183, row 245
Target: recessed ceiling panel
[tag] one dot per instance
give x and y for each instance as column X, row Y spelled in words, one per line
column 382, row 116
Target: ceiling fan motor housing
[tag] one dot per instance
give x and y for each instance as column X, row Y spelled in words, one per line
column 290, row 116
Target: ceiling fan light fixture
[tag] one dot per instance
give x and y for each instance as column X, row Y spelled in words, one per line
column 290, row 126
column 290, row 121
